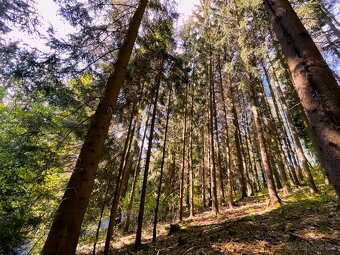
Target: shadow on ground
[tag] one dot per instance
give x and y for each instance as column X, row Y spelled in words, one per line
column 308, row 225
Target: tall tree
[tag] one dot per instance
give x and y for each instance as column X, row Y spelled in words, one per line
column 138, row 241
column 65, row 230
column 183, row 156
column 154, row 233
column 273, row 197
column 316, row 85
column 213, row 177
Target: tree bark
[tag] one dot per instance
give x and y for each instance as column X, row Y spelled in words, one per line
column 277, row 137
column 138, row 241
column 135, row 179
column 154, row 234
column 212, row 147
column 101, row 214
column 183, row 157
column 190, row 168
column 230, row 198
column 64, row 233
column 218, row 149
column 273, row 197
column 119, row 180
column 317, row 87
column 241, row 177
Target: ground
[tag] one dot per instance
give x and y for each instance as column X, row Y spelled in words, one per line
column 304, row 224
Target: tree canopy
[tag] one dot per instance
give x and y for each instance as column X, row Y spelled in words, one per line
column 136, row 119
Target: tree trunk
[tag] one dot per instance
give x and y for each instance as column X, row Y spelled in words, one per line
column 154, row 234
column 135, row 179
column 183, row 157
column 212, row 147
column 301, row 112
column 190, row 168
column 317, row 87
column 101, row 215
column 218, row 149
column 64, row 233
column 205, row 162
column 277, row 137
column 299, row 150
column 119, row 180
column 138, row 241
column 273, row 197
column 241, row 177
column 128, row 168
column 228, row 151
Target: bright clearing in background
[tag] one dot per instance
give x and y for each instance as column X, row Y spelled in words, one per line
column 185, row 7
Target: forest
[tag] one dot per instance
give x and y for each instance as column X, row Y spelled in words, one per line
column 138, row 131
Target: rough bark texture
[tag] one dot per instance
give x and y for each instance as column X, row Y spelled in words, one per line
column 317, row 87
column 64, row 233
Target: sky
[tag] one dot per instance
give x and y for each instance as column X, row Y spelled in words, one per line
column 185, row 7
column 48, row 11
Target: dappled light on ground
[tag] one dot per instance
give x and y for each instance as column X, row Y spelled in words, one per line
column 302, row 225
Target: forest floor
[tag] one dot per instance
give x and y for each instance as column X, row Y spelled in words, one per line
column 304, row 224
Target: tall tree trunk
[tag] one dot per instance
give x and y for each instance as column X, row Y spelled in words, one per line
column 183, row 157
column 128, row 167
column 154, row 233
column 252, row 145
column 227, row 147
column 317, row 87
column 190, row 168
column 135, row 179
column 205, row 162
column 218, row 149
column 138, row 241
column 119, row 180
column 64, row 233
column 241, row 177
column 294, row 165
column 299, row 150
column 212, row 147
column 277, row 138
column 300, row 109
column 101, row 214
column 245, row 151
column 273, row 197
column 253, row 182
